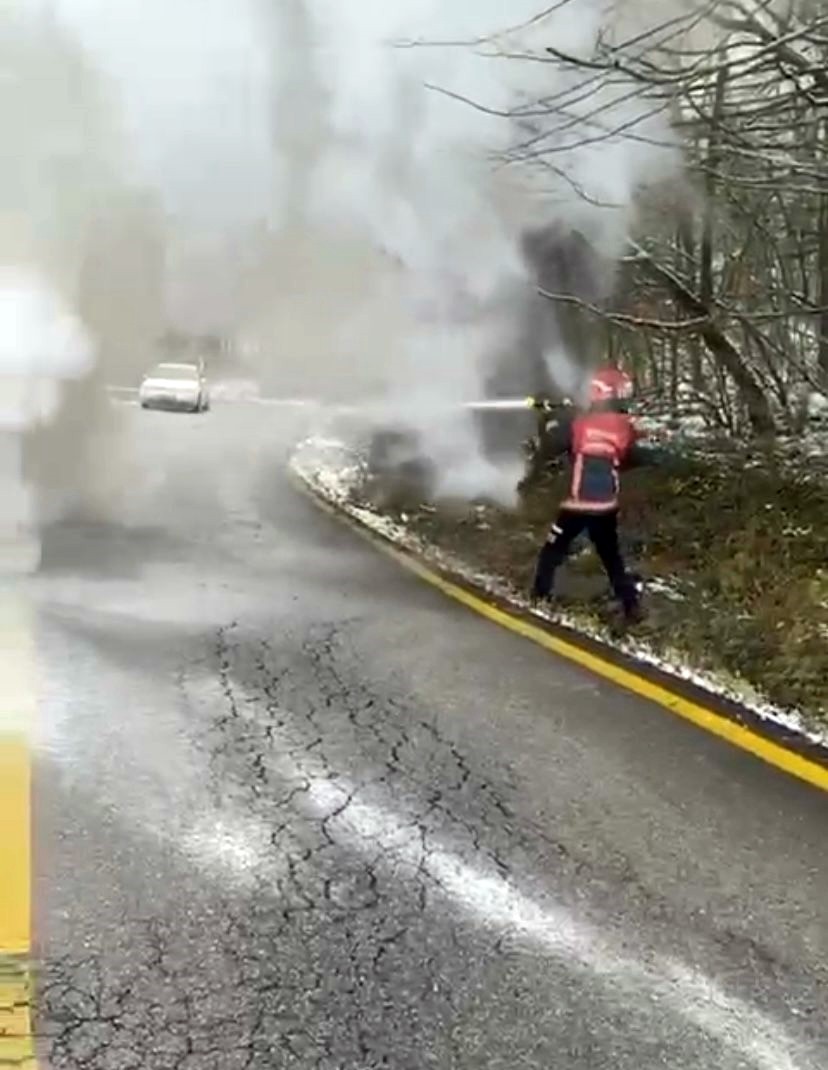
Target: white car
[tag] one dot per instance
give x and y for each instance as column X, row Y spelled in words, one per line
column 175, row 388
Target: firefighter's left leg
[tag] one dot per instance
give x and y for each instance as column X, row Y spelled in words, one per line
column 603, row 530
column 566, row 529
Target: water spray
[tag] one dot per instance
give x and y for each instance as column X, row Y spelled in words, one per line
column 380, row 408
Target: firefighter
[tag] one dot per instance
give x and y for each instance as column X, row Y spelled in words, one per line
column 600, row 441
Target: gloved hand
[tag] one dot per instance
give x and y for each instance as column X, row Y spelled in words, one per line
column 540, row 402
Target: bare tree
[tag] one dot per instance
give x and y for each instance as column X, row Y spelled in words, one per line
column 725, row 288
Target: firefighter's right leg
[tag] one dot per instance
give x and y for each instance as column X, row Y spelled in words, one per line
column 603, row 530
column 562, row 534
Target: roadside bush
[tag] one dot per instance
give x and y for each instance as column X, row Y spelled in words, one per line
column 741, row 547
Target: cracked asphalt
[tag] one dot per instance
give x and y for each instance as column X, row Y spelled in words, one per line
column 294, row 809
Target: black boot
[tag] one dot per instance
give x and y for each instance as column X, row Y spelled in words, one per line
column 539, row 594
column 543, row 581
column 633, row 611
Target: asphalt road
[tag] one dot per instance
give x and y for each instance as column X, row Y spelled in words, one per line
column 294, row 809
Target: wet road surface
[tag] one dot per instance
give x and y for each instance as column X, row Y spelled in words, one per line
column 294, row 809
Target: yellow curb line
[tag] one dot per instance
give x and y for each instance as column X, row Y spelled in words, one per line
column 17, row 709
column 767, row 750
column 15, row 862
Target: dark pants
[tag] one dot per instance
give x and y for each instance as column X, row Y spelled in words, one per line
column 602, row 529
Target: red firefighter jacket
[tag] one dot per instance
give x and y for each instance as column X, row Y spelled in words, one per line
column 599, row 445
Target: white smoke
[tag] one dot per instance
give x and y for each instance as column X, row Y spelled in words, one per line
column 42, row 344
column 193, row 79
column 341, row 185
column 125, row 148
column 425, row 107
column 47, row 175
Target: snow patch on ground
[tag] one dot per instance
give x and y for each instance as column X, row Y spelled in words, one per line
column 802, row 455
column 335, row 471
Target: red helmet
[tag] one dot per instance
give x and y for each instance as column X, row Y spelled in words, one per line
column 609, row 384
